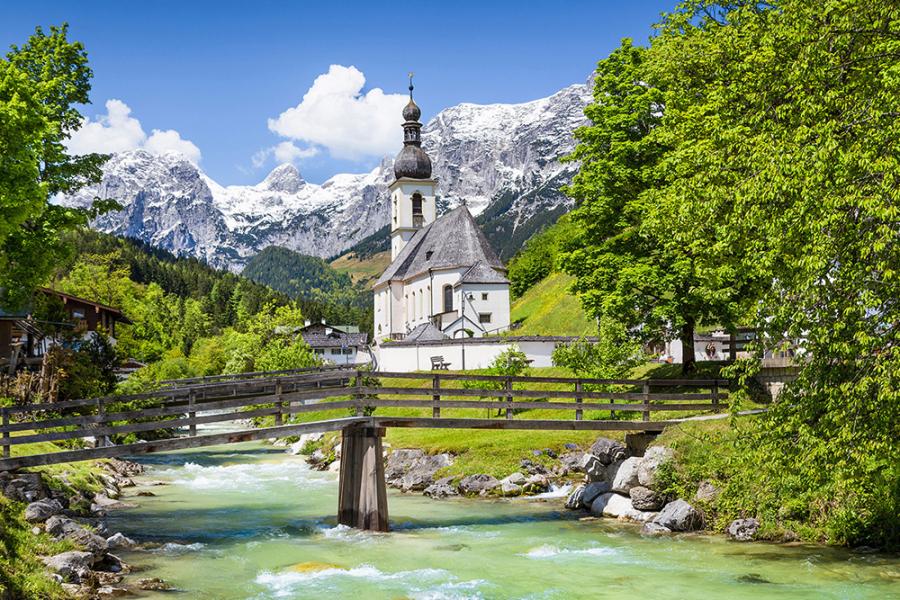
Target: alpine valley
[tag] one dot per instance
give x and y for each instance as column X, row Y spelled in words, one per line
column 500, row 159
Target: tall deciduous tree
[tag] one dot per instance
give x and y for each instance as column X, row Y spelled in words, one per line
column 41, row 82
column 641, row 258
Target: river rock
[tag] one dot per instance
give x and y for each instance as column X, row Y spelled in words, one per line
column 680, row 516
column 652, row 528
column 510, row 489
column 619, row 507
column 334, row 467
column 103, row 503
column 623, row 475
column 592, row 490
column 654, row 457
column 608, row 451
column 743, row 530
column 536, row 484
column 593, row 468
column 119, row 540
column 23, row 487
column 40, row 511
column 576, row 498
column 107, row 591
column 532, row 468
column 153, row 584
column 572, row 461
column 514, row 478
column 442, row 488
column 420, row 473
column 644, row 498
column 399, row 462
column 707, row 492
column 71, row 566
column 63, row 527
column 477, row 484
column 123, row 468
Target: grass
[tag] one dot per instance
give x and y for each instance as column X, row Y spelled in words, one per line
column 364, row 271
column 548, row 309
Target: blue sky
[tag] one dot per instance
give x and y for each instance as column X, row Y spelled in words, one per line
column 218, row 79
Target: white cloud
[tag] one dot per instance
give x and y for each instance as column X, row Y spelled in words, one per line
column 117, row 131
column 160, row 142
column 334, row 113
column 284, row 152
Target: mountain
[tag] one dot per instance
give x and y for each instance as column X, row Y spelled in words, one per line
column 501, row 159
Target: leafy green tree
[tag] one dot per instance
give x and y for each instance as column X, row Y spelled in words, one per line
column 640, row 257
column 613, row 356
column 41, row 83
column 539, row 257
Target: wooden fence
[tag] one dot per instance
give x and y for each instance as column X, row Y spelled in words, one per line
column 360, row 393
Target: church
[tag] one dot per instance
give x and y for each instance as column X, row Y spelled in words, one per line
column 444, row 280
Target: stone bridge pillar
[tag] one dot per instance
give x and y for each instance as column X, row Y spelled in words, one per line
column 362, row 499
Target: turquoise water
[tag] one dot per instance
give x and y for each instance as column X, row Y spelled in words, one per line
column 249, row 522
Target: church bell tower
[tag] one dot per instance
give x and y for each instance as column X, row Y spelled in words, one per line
column 413, row 190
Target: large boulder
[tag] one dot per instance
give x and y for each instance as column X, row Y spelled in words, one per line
column 707, row 492
column 680, row 516
column 645, row 499
column 40, row 511
column 619, row 507
column 23, row 487
column 743, row 530
column 65, row 528
column 508, row 488
column 442, row 488
column 572, row 461
column 609, row 451
column 399, row 462
column 623, row 475
column 653, row 458
column 576, row 498
column 71, row 566
column 119, row 540
column 514, row 479
column 592, row 490
column 592, row 467
column 536, row 484
column 477, row 484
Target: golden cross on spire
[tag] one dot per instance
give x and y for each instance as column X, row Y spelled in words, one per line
column 410, row 84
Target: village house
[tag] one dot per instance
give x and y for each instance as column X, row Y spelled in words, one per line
column 24, row 340
column 336, row 344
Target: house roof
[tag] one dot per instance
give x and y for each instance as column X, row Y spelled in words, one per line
column 116, row 313
column 426, row 332
column 335, row 339
column 452, row 240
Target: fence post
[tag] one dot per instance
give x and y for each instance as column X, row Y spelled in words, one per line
column 436, row 397
column 5, row 432
column 579, row 414
column 359, row 396
column 278, row 404
column 646, row 401
column 101, row 411
column 192, row 428
column 715, row 396
column 509, row 410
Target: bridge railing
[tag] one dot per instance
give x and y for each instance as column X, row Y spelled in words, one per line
column 399, row 399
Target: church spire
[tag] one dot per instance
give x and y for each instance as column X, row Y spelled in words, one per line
column 412, row 161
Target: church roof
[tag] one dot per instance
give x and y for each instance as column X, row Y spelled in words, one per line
column 426, row 332
column 482, row 273
column 451, row 241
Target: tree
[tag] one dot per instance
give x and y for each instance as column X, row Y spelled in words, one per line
column 41, row 82
column 640, row 257
column 612, row 357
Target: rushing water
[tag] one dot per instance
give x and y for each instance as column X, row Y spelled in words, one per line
column 249, row 522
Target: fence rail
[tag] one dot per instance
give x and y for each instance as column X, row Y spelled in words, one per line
column 358, row 392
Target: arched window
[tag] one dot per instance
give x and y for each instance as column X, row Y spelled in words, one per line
column 412, row 309
column 418, row 218
column 448, row 298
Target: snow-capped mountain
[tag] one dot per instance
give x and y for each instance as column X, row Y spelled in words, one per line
column 501, row 159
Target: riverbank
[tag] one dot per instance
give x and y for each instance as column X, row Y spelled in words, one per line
column 252, row 521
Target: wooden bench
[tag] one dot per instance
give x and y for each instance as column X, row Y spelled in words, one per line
column 439, row 364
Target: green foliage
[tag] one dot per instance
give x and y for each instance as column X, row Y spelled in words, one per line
column 41, row 83
column 22, row 574
column 613, row 356
column 548, row 308
column 539, row 257
column 86, row 368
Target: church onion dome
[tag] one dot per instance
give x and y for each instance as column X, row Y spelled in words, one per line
column 412, row 162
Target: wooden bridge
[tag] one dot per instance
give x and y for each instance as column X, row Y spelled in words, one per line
column 370, row 401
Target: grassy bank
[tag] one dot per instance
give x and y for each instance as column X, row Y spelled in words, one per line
column 548, row 309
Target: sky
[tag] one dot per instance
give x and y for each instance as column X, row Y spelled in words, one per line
column 239, row 87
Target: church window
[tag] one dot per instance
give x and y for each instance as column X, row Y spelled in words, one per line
column 484, row 295
column 448, row 298
column 418, row 218
column 484, row 318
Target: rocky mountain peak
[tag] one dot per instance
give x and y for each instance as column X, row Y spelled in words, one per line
column 283, row 178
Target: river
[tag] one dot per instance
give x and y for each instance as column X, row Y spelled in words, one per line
column 250, row 522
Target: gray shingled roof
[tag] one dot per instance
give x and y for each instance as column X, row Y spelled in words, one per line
column 426, row 332
column 452, row 240
column 481, row 273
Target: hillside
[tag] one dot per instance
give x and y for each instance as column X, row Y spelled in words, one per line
column 547, row 308
column 362, row 270
column 294, row 274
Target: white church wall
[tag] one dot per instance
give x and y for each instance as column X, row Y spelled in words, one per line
column 488, row 299
column 408, row 358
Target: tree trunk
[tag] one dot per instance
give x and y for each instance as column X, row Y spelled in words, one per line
column 688, row 363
